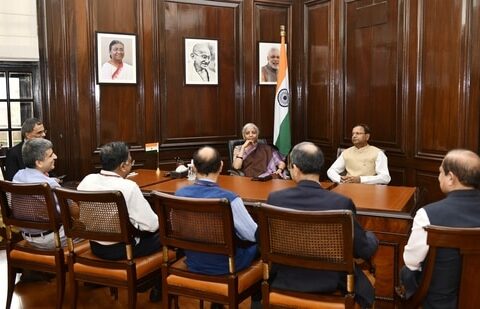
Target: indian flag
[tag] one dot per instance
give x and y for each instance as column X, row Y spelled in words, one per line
column 281, row 125
column 151, row 147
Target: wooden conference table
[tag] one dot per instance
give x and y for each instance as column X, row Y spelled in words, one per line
column 385, row 210
column 250, row 191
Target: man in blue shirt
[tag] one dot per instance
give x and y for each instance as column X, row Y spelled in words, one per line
column 208, row 166
column 39, row 160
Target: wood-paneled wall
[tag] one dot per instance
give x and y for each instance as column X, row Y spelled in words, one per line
column 408, row 68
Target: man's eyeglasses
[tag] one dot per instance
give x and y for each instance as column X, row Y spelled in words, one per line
column 203, row 56
column 43, row 132
column 131, row 163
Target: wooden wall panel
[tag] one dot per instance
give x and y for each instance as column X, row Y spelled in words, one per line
column 201, row 113
column 268, row 19
column 118, row 110
column 319, row 108
column 440, row 118
column 408, row 68
column 372, row 92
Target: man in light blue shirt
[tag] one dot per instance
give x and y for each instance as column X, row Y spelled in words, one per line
column 39, row 160
column 208, row 166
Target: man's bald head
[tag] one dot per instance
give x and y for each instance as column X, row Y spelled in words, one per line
column 207, row 160
column 307, row 157
column 465, row 165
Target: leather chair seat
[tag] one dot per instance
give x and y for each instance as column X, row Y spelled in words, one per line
column 144, row 266
column 246, row 279
column 288, row 301
column 20, row 255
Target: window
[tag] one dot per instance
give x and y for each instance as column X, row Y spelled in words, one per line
column 18, row 99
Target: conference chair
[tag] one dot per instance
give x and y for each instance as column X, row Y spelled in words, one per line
column 231, row 146
column 31, row 206
column 202, row 225
column 466, row 241
column 317, row 240
column 103, row 216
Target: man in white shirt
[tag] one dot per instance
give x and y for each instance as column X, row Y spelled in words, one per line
column 116, row 165
column 362, row 162
column 459, row 179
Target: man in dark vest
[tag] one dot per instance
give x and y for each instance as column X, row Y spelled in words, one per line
column 459, row 179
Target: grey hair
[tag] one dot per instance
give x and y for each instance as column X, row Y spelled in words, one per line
column 250, row 125
column 35, row 149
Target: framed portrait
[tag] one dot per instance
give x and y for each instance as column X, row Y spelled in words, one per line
column 201, row 61
column 116, row 58
column 268, row 62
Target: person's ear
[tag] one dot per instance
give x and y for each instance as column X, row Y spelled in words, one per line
column 221, row 165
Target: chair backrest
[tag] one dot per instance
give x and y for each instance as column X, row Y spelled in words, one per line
column 321, row 240
column 467, row 241
column 234, row 142
column 197, row 224
column 95, row 215
column 29, row 205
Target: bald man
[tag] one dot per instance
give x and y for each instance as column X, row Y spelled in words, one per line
column 208, row 165
column 306, row 161
column 201, row 71
column 459, row 179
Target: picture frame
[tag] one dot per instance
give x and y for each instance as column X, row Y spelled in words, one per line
column 201, row 61
column 112, row 49
column 268, row 62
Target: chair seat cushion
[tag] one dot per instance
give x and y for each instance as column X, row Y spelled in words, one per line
column 144, row 266
column 246, row 278
column 289, row 301
column 19, row 255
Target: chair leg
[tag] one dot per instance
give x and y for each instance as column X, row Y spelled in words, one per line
column 73, row 290
column 132, row 298
column 60, row 288
column 12, row 274
column 166, row 299
column 114, row 292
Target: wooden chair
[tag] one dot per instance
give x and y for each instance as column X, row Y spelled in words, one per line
column 317, row 240
column 203, row 225
column 467, row 241
column 31, row 206
column 103, row 216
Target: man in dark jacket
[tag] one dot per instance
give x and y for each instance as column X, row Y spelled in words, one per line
column 31, row 128
column 306, row 161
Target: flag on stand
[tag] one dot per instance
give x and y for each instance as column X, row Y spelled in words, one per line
column 281, row 124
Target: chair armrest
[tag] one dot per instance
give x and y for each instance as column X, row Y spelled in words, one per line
column 234, row 172
column 366, row 265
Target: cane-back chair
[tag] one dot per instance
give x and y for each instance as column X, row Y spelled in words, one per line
column 103, row 216
column 202, row 225
column 32, row 206
column 467, row 242
column 317, row 240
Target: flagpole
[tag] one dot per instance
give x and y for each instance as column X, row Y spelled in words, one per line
column 281, row 123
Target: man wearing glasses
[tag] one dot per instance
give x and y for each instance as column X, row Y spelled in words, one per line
column 31, row 128
column 201, row 72
column 116, row 165
column 362, row 162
